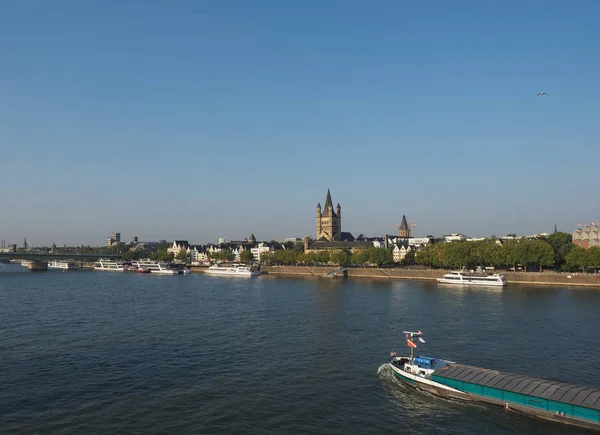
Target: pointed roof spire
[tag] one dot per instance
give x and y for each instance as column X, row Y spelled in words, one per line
column 328, row 202
column 555, row 230
column 403, row 224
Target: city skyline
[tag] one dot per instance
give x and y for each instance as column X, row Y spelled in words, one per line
column 221, row 119
column 242, row 236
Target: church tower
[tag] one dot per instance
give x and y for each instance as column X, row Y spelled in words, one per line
column 329, row 222
column 403, row 229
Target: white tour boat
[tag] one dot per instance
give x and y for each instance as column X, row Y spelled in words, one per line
column 156, row 267
column 463, row 277
column 62, row 265
column 233, row 270
column 109, row 265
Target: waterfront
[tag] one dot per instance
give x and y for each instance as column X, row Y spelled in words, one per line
column 92, row 352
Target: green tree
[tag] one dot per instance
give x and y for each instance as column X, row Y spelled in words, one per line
column 379, row 256
column 247, row 257
column 163, row 255
column 577, row 258
column 511, row 254
column 360, row 256
column 426, row 256
column 562, row 243
column 409, row 258
column 593, row 258
column 132, row 255
column 534, row 252
column 266, row 258
column 183, row 255
column 323, row 256
column 493, row 254
column 542, row 253
column 227, row 255
column 163, row 245
column 341, row 257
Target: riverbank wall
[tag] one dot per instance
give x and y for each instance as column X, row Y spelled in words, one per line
column 538, row 278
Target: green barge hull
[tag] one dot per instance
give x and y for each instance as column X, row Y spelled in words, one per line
column 551, row 400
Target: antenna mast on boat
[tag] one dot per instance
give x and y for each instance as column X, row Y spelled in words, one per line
column 410, row 336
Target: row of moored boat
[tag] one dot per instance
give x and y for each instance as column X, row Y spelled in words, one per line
column 141, row 266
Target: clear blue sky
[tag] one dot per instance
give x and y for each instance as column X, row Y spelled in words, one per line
column 195, row 120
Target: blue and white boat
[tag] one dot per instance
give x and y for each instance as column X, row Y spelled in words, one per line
column 551, row 400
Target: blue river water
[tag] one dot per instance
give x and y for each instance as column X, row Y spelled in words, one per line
column 106, row 352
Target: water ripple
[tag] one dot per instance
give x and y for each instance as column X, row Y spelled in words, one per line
column 89, row 352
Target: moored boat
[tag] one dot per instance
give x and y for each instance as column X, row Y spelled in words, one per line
column 551, row 400
column 233, row 270
column 62, row 265
column 463, row 277
column 109, row 265
column 155, row 267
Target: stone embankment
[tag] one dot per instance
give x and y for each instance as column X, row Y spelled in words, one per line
column 542, row 278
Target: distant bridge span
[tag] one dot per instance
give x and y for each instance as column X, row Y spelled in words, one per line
column 38, row 256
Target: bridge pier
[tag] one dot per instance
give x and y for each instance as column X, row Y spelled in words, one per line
column 35, row 265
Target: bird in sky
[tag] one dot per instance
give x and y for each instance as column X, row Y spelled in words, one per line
column 541, row 93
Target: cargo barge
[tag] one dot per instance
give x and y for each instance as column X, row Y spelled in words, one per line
column 551, row 400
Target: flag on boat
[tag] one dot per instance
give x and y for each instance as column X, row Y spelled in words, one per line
column 411, row 343
column 421, row 340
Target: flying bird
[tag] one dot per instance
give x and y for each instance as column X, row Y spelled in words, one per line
column 541, row 93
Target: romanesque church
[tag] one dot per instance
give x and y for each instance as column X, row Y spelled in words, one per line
column 329, row 223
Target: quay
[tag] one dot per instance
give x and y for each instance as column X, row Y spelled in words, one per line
column 534, row 278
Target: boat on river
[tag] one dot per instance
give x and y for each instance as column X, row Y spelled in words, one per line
column 233, row 270
column 548, row 399
column 62, row 265
column 109, row 265
column 155, row 267
column 464, row 277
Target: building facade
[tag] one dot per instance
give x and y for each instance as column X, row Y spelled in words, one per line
column 178, row 246
column 329, row 221
column 114, row 239
column 455, row 237
column 587, row 236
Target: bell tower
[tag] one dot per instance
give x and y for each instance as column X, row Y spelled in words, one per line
column 404, row 229
column 329, row 222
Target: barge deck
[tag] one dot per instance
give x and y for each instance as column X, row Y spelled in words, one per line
column 552, row 400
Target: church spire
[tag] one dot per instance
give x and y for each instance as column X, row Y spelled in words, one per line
column 404, row 224
column 404, row 229
column 328, row 202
